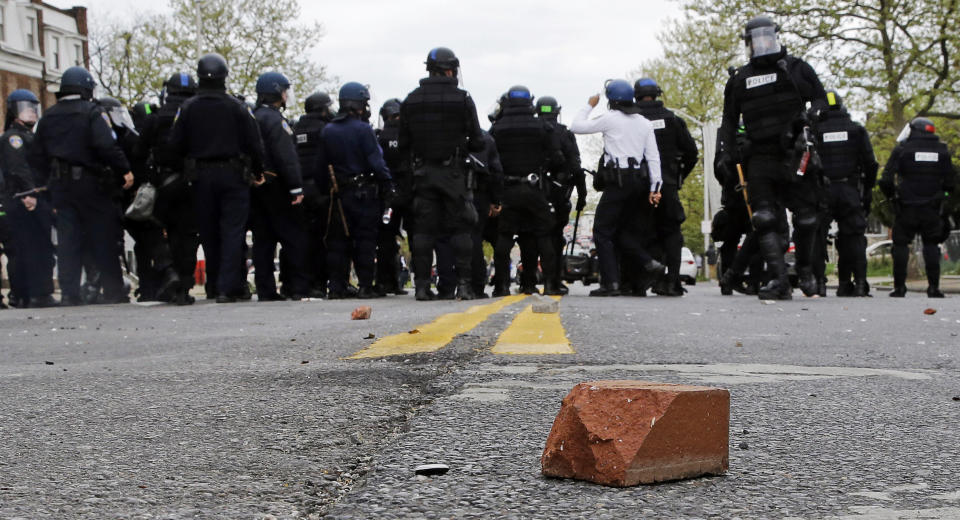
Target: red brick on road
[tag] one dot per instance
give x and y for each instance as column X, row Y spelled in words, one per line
column 624, row 433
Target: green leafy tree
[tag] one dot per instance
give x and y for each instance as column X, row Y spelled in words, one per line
column 132, row 60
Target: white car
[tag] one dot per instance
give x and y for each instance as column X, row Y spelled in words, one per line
column 688, row 267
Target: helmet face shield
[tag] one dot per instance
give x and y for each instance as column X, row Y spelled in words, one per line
column 27, row 111
column 763, row 41
column 120, row 117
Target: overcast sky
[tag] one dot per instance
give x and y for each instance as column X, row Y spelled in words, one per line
column 563, row 49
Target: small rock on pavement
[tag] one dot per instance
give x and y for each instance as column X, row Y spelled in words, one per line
column 361, row 313
column 624, row 433
column 431, row 469
column 930, row 312
column 546, row 305
column 956, row 398
column 744, row 446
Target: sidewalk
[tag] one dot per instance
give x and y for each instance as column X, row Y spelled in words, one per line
column 948, row 284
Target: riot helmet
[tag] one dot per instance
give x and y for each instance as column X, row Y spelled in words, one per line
column 922, row 125
column 646, row 87
column 140, row 112
column 76, row 80
column 318, row 102
column 180, row 83
column 23, row 105
column 496, row 109
column 212, row 71
column 548, row 107
column 518, row 95
column 354, row 99
column 390, row 109
column 271, row 87
column 441, row 59
column 760, row 37
column 119, row 115
column 619, row 93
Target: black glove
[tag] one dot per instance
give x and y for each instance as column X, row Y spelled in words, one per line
column 581, row 203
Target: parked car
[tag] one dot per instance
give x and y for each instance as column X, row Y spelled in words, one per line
column 688, row 267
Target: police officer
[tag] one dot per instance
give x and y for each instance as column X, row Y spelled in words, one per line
column 488, row 175
column 219, row 139
column 352, row 156
column 918, row 177
column 316, row 186
column 28, row 209
column 388, row 250
column 274, row 211
column 76, row 149
column 627, row 183
column 157, row 280
column 771, row 93
column 850, row 171
column 174, row 205
column 527, row 149
column 678, row 157
column 562, row 181
column 438, row 126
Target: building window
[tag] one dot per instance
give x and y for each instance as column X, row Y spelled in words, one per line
column 31, row 34
column 3, row 24
column 77, row 55
column 55, row 43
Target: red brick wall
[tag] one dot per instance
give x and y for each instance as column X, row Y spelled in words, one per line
column 10, row 81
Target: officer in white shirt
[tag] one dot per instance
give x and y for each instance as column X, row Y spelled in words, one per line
column 629, row 177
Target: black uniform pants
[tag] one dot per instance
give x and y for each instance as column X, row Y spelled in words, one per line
column 30, row 238
column 669, row 216
column 622, row 214
column 274, row 220
column 527, row 213
column 478, row 262
column 175, row 210
column 361, row 205
column 561, row 218
column 152, row 253
column 910, row 221
column 388, row 250
column 441, row 207
column 222, row 203
column 87, row 218
column 773, row 185
column 844, row 207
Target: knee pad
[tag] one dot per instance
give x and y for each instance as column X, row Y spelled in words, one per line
column 764, row 219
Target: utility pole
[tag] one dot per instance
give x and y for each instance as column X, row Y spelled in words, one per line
column 199, row 27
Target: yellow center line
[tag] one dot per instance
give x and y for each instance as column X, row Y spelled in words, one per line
column 437, row 334
column 534, row 334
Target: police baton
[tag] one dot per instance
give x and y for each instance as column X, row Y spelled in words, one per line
column 28, row 193
column 743, row 187
column 335, row 195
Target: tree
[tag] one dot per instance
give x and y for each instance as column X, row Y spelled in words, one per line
column 132, row 60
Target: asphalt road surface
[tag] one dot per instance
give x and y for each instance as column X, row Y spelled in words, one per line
column 840, row 408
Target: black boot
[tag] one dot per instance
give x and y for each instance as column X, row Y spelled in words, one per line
column 933, row 291
column 861, row 289
column 465, row 292
column 550, row 289
column 776, row 289
column 899, row 291
column 424, row 294
column 612, row 289
column 808, row 283
column 822, row 287
column 42, row 302
column 845, row 289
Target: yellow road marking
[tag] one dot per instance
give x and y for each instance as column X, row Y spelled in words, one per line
column 534, row 334
column 435, row 335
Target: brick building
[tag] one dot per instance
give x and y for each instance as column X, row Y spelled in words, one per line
column 37, row 43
